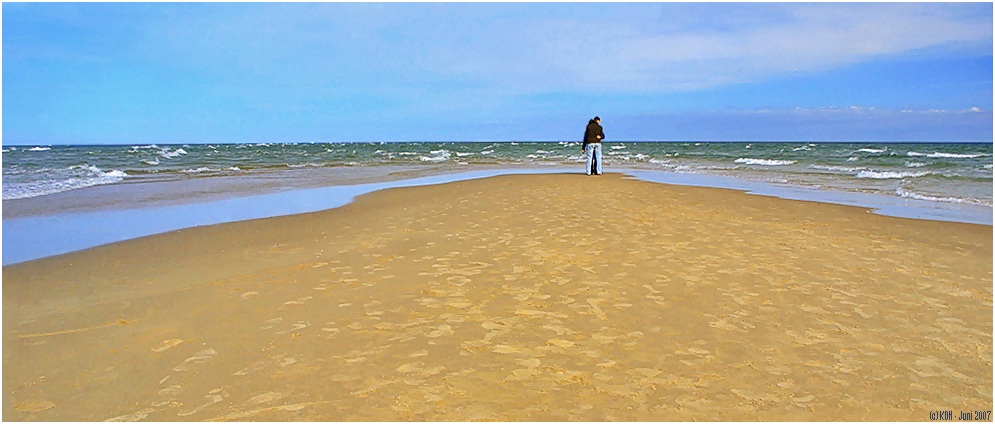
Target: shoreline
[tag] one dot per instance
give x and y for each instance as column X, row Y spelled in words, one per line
column 513, row 298
column 108, row 214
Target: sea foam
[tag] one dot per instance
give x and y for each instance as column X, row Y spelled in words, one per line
column 72, row 178
column 845, row 169
column 764, row 162
column 883, row 175
column 172, row 154
column 912, row 195
column 436, row 156
column 946, row 155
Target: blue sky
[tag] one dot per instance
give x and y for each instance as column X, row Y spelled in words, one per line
column 120, row 73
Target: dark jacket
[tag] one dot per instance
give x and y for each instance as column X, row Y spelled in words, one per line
column 593, row 131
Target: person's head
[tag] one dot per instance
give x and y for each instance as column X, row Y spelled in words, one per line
column 596, row 119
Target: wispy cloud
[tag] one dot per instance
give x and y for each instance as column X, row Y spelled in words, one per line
column 666, row 55
column 552, row 47
column 403, row 70
column 831, row 123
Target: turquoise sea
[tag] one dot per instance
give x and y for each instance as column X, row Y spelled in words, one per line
column 941, row 172
column 59, row 199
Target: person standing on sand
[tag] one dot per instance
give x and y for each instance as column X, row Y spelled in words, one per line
column 592, row 145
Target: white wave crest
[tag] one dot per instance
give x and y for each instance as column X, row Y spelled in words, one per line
column 911, row 195
column 172, row 154
column 873, row 150
column 847, row 169
column 884, row 175
column 39, row 149
column 945, row 155
column 72, row 178
column 764, row 162
column 436, row 156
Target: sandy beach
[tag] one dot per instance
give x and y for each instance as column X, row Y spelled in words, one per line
column 513, row 298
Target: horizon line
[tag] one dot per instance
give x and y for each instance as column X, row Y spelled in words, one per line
column 495, row 141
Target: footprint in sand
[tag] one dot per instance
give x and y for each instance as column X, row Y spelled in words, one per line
column 254, row 367
column 505, row 349
column 170, row 391
column 529, row 363
column 492, row 334
column 565, row 344
column 490, row 325
column 419, row 368
column 299, row 326
column 803, row 402
column 607, row 364
column 558, row 329
column 34, row 406
column 198, row 358
column 213, row 397
column 166, row 344
column 299, row 301
column 597, row 309
column 523, row 374
column 343, row 378
column 604, row 339
column 272, row 322
column 264, row 398
column 442, row 330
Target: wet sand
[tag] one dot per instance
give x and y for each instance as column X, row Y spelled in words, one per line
column 513, row 298
column 158, row 191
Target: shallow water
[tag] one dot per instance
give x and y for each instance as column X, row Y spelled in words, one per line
column 33, row 237
column 937, row 172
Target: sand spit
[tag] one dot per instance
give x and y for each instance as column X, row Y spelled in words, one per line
column 514, row 298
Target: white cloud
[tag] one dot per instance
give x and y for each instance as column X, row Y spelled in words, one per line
column 416, row 51
column 642, row 55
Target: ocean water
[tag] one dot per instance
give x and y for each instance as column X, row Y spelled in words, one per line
column 941, row 173
column 949, row 182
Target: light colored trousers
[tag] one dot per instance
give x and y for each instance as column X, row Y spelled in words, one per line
column 593, row 154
